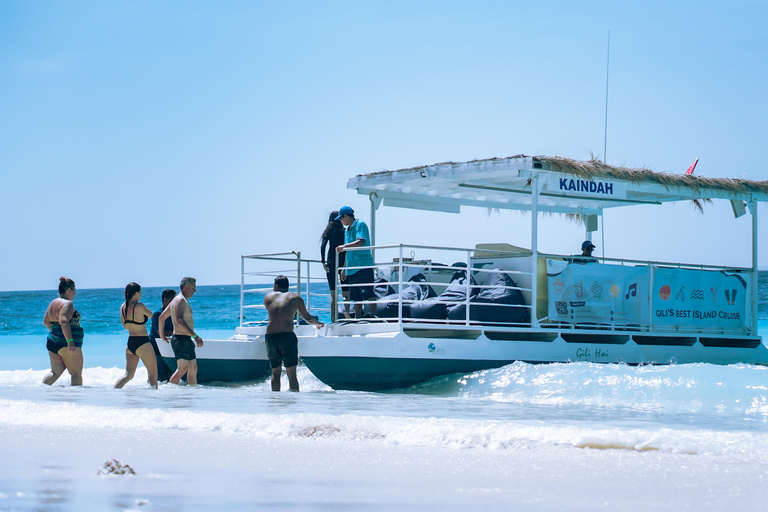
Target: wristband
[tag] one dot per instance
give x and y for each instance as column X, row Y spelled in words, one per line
column 70, row 341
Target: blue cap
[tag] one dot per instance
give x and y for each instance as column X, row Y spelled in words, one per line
column 586, row 244
column 345, row 210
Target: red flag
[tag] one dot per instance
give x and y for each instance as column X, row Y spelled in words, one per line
column 692, row 167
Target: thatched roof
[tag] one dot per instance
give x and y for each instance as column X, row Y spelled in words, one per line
column 594, row 168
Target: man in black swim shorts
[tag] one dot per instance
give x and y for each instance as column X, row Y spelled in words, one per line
column 184, row 337
column 281, row 341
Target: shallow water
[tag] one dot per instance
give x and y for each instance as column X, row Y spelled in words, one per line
column 577, row 436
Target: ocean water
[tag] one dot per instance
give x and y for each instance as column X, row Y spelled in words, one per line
column 576, row 436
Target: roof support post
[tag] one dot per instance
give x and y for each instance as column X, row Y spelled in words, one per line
column 534, row 249
column 375, row 202
column 753, row 211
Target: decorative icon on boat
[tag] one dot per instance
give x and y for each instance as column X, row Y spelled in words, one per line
column 681, row 294
column 631, row 291
column 664, row 292
column 730, row 296
column 697, row 295
column 558, row 286
column 596, row 290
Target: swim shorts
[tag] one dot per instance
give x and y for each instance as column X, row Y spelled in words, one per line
column 56, row 340
column 134, row 342
column 282, row 348
column 183, row 347
column 364, row 277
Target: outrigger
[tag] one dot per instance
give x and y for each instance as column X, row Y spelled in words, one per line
column 493, row 304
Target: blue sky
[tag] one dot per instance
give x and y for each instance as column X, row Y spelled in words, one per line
column 144, row 141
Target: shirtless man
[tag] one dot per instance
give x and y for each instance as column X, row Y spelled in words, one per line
column 183, row 332
column 282, row 344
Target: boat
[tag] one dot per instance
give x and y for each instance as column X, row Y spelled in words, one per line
column 446, row 310
column 603, row 310
column 243, row 356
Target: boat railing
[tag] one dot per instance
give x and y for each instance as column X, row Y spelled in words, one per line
column 402, row 267
column 305, row 277
column 396, row 265
column 396, row 271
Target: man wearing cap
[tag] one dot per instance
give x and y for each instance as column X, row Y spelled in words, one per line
column 586, row 253
column 360, row 279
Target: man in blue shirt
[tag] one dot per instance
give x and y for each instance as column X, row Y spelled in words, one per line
column 360, row 279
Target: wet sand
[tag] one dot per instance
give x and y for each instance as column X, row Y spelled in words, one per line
column 56, row 469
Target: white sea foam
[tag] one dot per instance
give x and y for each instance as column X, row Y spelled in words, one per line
column 405, row 431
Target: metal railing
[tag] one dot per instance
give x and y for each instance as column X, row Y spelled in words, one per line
column 398, row 263
column 257, row 282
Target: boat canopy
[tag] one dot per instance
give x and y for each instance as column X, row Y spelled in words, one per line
column 564, row 186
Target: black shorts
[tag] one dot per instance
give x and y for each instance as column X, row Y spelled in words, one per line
column 282, row 348
column 332, row 275
column 183, row 347
column 54, row 347
column 134, row 342
column 365, row 292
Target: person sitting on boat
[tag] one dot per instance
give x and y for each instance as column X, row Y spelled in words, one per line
column 586, row 253
column 281, row 341
column 163, row 371
column 333, row 236
column 360, row 279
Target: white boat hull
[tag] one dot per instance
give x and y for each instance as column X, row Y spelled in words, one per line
column 240, row 358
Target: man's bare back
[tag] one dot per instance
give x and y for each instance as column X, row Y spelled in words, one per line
column 282, row 307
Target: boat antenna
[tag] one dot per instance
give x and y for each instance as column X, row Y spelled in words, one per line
column 605, row 135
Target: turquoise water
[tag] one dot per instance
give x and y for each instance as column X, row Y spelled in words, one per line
column 575, row 436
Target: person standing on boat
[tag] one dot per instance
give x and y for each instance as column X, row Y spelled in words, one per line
column 586, row 253
column 163, row 371
column 184, row 336
column 332, row 237
column 281, row 341
column 139, row 345
column 357, row 235
column 65, row 340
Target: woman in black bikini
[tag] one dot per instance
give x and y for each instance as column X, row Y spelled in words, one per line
column 139, row 346
column 333, row 236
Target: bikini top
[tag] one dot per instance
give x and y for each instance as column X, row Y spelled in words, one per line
column 133, row 318
column 74, row 320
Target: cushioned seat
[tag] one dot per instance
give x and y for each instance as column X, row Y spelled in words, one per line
column 413, row 291
column 495, row 303
column 435, row 308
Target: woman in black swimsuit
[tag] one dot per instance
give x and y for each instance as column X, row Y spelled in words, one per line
column 139, row 346
column 333, row 236
column 65, row 339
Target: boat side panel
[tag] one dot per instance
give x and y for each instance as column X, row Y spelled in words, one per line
column 376, row 374
column 227, row 370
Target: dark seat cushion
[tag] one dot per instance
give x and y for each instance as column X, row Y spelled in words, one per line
column 435, row 308
column 417, row 289
column 485, row 306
